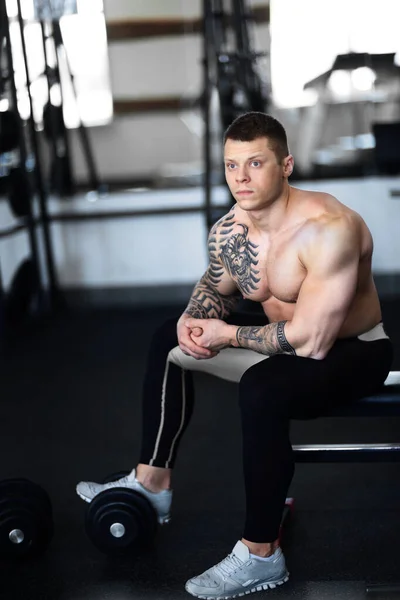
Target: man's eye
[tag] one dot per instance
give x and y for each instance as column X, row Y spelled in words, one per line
column 255, row 163
column 230, row 166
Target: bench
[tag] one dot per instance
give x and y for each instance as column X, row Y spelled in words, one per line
column 384, row 404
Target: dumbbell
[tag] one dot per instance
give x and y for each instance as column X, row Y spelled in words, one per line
column 120, row 520
column 26, row 519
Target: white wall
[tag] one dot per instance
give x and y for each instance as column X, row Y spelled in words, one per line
column 160, row 249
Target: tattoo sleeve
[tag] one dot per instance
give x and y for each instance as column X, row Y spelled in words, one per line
column 207, row 303
column 268, row 340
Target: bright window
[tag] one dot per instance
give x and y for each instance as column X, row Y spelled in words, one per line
column 307, row 35
column 84, row 56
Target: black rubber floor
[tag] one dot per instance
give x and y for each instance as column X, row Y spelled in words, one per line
column 70, row 408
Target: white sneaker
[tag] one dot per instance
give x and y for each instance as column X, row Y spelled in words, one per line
column 161, row 501
column 239, row 574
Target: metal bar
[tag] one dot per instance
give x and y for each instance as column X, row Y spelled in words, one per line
column 21, row 226
column 344, row 447
column 29, row 221
column 3, row 330
column 240, row 26
column 66, row 168
column 383, row 588
column 206, row 114
column 99, row 216
column 39, row 172
column 314, row 453
column 53, row 118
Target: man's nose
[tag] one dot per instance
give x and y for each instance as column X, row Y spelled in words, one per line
column 241, row 174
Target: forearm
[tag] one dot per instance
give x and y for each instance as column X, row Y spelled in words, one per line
column 268, row 339
column 207, row 303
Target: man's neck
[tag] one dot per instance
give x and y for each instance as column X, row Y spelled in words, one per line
column 270, row 220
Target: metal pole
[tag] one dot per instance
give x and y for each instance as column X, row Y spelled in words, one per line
column 240, row 26
column 53, row 287
column 29, row 222
column 53, row 118
column 3, row 330
column 206, row 115
column 87, row 150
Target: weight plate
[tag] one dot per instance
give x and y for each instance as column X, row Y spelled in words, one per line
column 19, row 192
column 23, row 289
column 120, row 520
column 26, row 524
column 10, row 130
column 25, row 531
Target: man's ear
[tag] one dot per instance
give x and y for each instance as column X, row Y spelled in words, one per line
column 288, row 165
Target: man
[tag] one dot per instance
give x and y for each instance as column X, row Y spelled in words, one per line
column 306, row 258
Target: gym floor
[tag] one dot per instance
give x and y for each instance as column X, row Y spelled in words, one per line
column 71, row 410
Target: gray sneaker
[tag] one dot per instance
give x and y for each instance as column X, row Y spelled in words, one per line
column 161, row 501
column 239, row 574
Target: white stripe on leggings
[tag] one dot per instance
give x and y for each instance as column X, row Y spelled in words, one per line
column 164, row 385
column 182, row 418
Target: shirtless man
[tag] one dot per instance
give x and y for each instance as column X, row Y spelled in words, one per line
column 307, row 259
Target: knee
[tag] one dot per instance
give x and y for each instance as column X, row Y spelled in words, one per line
column 178, row 358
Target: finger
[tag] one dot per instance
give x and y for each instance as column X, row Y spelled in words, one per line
column 194, row 349
column 192, row 323
column 192, row 346
column 196, row 355
column 197, row 331
column 193, row 354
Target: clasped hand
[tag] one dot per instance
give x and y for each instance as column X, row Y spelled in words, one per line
column 203, row 338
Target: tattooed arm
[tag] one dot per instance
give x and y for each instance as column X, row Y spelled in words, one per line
column 207, row 302
column 215, row 296
column 268, row 340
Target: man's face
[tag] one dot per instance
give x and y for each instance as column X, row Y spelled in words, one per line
column 253, row 173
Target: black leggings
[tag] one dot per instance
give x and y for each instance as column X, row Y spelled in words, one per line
column 271, row 393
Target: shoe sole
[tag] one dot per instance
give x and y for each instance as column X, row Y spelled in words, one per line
column 161, row 520
column 258, row 588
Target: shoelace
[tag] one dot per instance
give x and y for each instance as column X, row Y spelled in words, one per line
column 228, row 565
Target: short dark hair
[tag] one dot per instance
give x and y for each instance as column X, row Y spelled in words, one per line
column 253, row 125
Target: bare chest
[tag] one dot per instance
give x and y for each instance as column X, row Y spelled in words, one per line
column 263, row 269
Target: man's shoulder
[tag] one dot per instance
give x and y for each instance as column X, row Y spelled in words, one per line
column 322, row 211
column 331, row 235
column 314, row 197
column 225, row 224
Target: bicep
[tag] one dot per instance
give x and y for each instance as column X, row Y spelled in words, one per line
column 325, row 297
column 323, row 303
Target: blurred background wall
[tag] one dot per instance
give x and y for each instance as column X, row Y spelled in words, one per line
column 128, row 204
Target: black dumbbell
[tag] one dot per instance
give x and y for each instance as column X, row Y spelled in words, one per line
column 120, row 520
column 26, row 519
